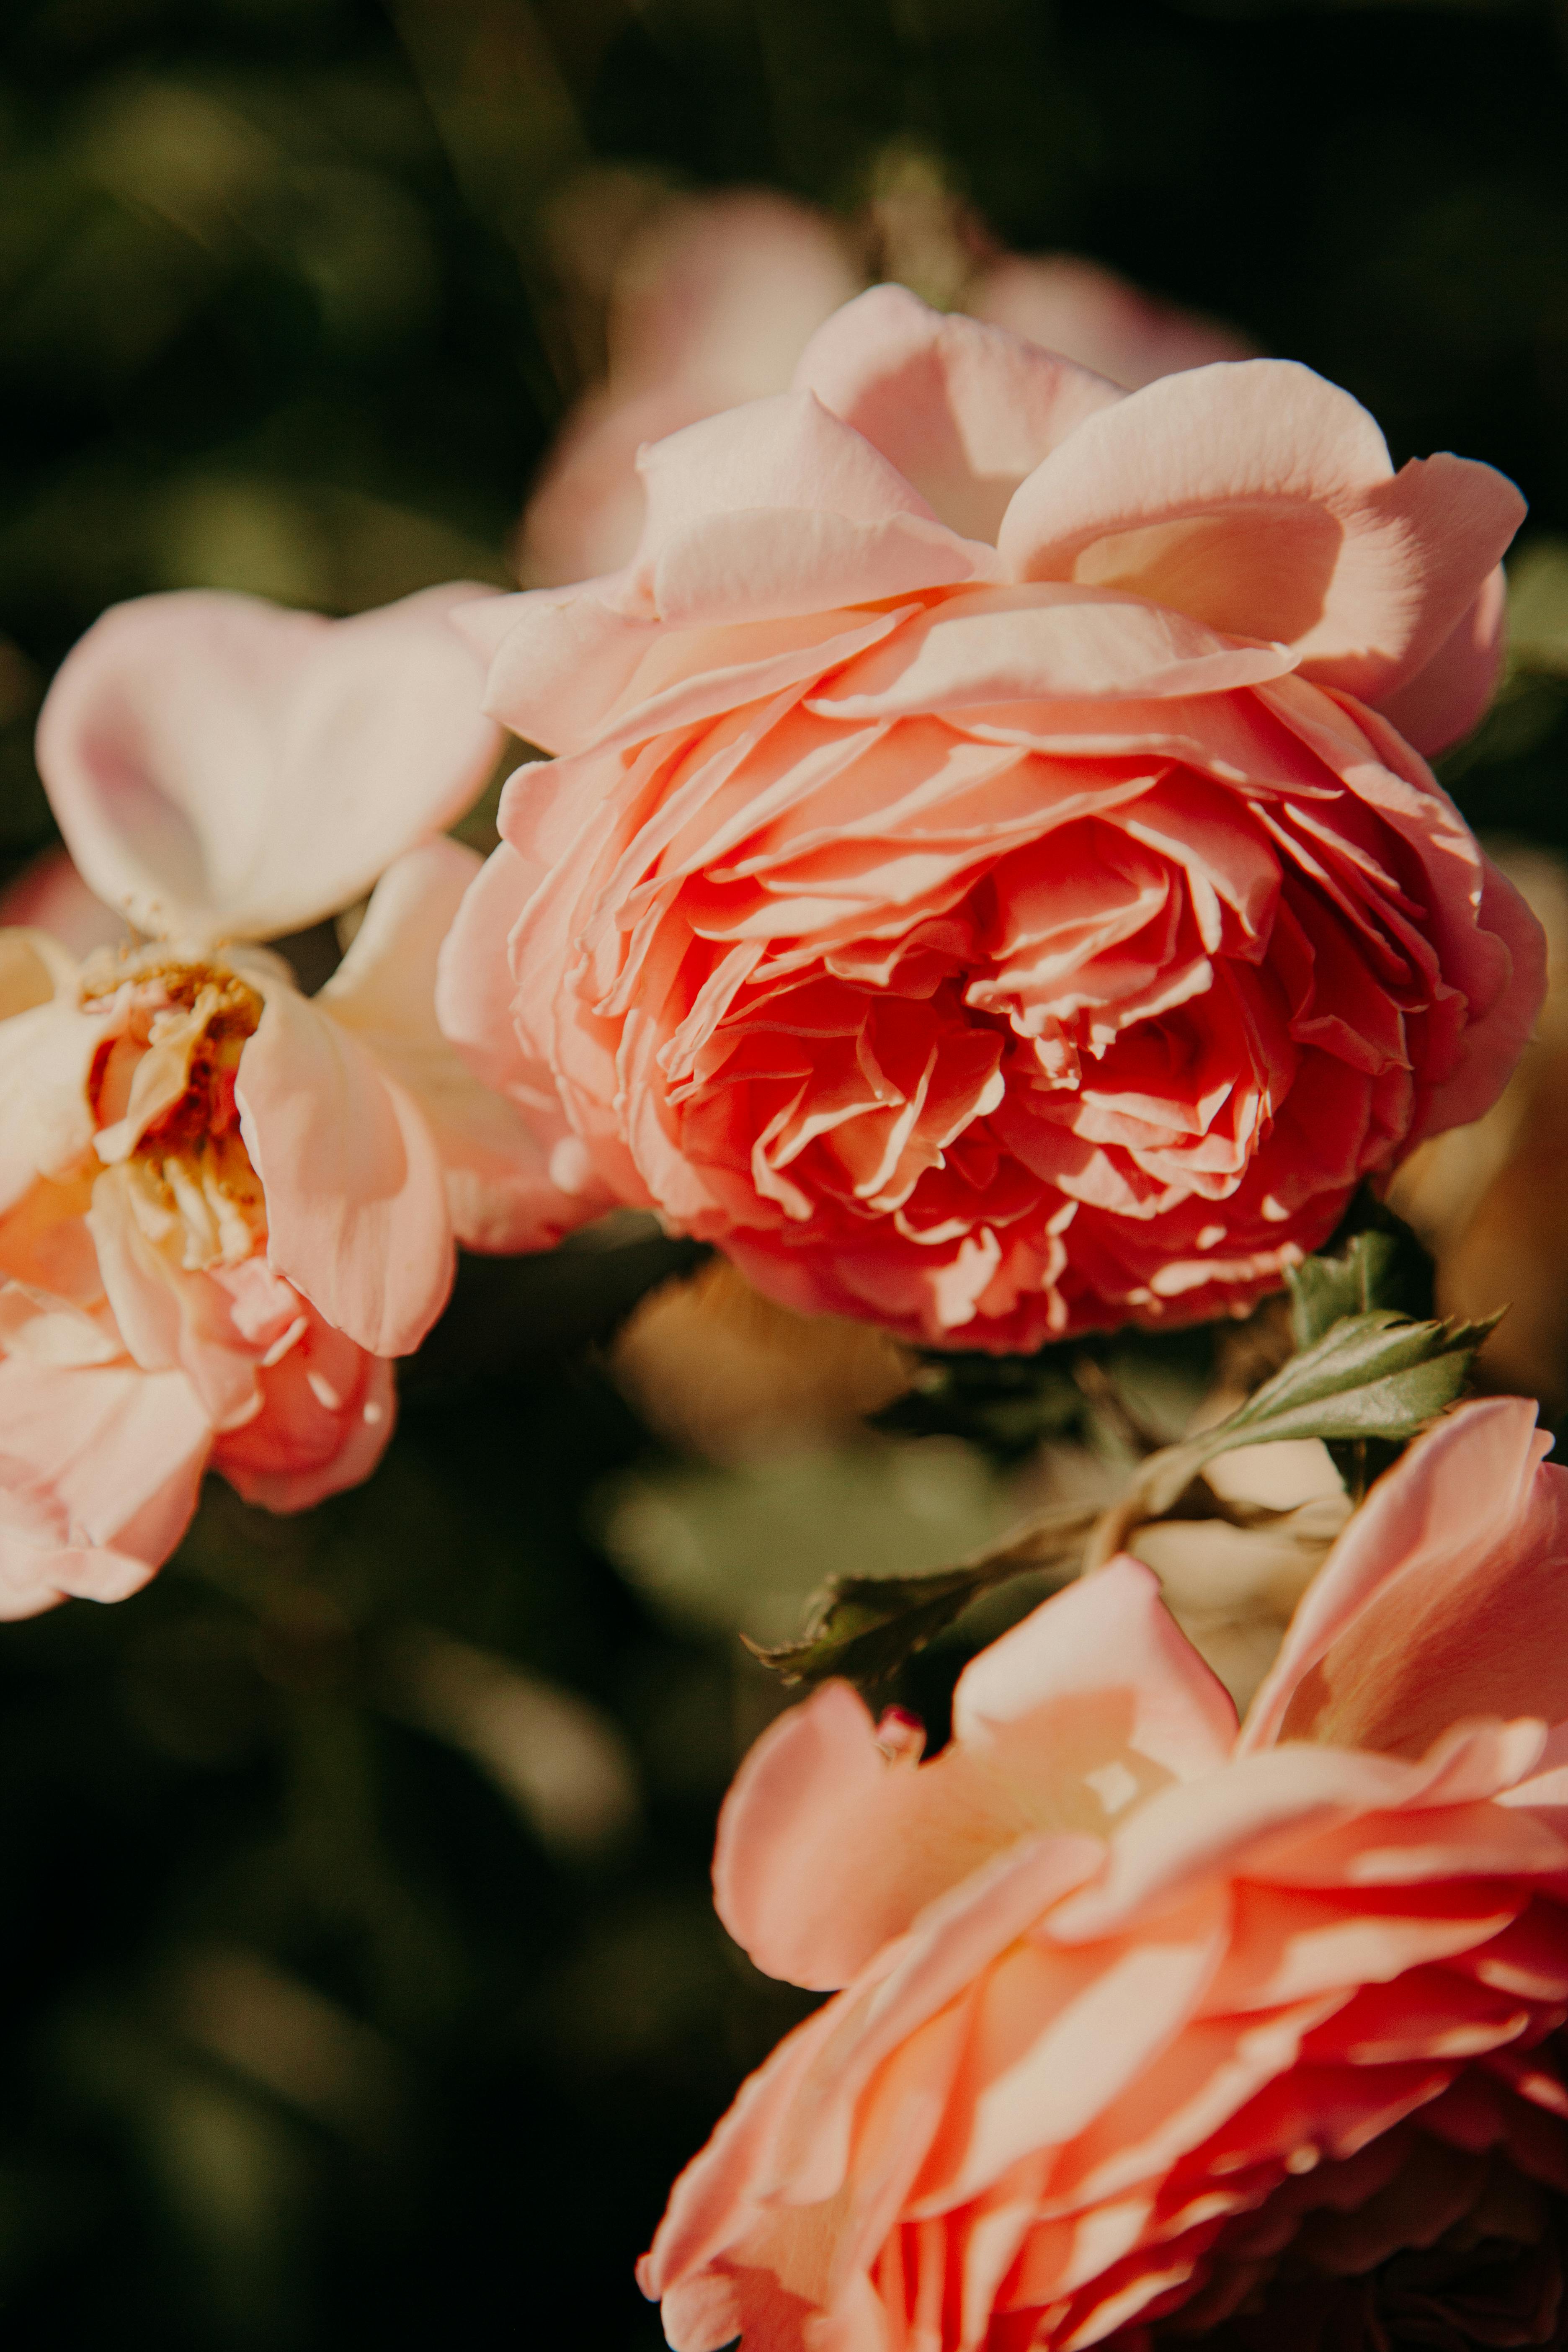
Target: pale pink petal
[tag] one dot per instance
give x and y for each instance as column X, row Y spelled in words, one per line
column 767, row 563
column 1278, row 1816
column 222, row 768
column 790, row 451
column 496, row 1163
column 1260, row 499
column 169, row 1318
column 98, row 1475
column 829, row 1844
column 1057, row 640
column 573, row 669
column 51, row 895
column 1445, row 1597
column 1089, row 314
column 1449, row 694
column 1108, row 1638
column 356, row 1209
column 46, row 1058
column 834, row 1837
column 964, row 412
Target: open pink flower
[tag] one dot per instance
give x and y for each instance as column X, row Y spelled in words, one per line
column 1150, row 2029
column 980, row 891
column 224, row 1206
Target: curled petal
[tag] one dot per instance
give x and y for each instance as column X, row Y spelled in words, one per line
column 224, row 769
column 1449, row 694
column 356, row 1209
column 1259, row 498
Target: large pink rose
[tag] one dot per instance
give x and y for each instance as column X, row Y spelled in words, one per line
column 1152, row 2029
column 979, row 891
column 224, row 1205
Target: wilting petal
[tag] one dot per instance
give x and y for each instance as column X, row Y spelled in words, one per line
column 224, row 769
column 356, row 1209
column 497, row 1165
column 1260, row 499
column 98, row 1476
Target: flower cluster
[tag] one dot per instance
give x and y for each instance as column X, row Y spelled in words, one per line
column 989, row 883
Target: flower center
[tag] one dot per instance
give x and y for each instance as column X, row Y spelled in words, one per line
column 161, row 1094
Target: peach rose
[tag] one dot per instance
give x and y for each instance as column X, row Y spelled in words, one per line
column 224, row 1206
column 970, row 894
column 1152, row 2029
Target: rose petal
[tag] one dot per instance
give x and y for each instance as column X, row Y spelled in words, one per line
column 221, row 768
column 98, row 1478
column 496, row 1163
column 964, row 412
column 356, row 1209
column 1260, row 499
column 1445, row 1597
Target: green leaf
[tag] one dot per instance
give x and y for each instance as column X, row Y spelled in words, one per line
column 1325, row 1289
column 864, row 1627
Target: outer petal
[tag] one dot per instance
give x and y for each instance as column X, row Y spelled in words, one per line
column 224, row 769
column 1260, row 499
column 99, row 1477
column 1110, row 1634
column 1449, row 695
column 499, row 1186
column 356, row 1209
column 834, row 1838
column 1445, row 1596
column 963, row 411
column 46, row 1055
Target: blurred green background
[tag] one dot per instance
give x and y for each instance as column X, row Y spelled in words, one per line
column 360, row 1983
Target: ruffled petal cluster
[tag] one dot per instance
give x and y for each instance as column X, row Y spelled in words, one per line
column 979, row 886
column 1150, row 2027
column 225, row 1206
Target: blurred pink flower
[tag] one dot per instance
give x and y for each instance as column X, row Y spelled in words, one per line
column 1152, row 2030
column 714, row 301
column 1089, row 314
column 970, row 895
column 223, row 1206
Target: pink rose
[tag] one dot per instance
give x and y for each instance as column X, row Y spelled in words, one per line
column 1152, row 2030
column 225, row 1206
column 970, row 894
